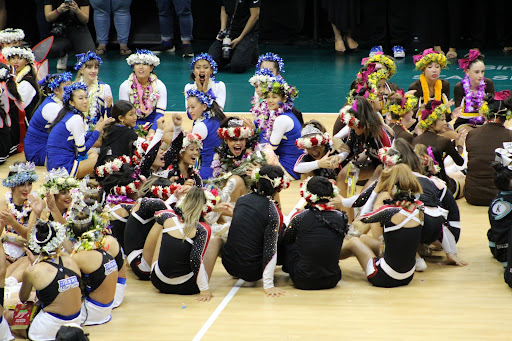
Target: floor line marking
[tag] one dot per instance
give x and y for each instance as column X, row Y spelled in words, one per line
column 217, row 311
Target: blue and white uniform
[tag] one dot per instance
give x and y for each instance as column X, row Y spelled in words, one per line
column 207, row 129
column 285, row 132
column 218, row 88
column 97, row 106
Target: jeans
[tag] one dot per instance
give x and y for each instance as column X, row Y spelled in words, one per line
column 122, row 19
column 184, row 12
column 78, row 40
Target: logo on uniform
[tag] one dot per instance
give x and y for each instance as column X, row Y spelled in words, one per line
column 500, row 208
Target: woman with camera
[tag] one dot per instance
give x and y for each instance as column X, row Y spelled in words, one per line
column 69, row 27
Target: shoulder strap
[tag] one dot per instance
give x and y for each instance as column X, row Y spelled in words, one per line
column 409, row 217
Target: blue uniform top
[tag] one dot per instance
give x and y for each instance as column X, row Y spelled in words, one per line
column 211, row 142
column 287, row 150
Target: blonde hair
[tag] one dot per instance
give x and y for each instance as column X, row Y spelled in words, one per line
column 80, row 72
column 428, row 166
column 400, row 175
column 192, row 208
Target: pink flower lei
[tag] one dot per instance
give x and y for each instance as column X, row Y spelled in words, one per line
column 144, row 99
column 261, row 113
column 471, row 102
column 273, row 114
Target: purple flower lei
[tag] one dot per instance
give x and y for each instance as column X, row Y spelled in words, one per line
column 117, row 199
column 272, row 117
column 470, row 100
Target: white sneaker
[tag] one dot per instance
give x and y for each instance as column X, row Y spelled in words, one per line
column 62, row 63
column 420, row 264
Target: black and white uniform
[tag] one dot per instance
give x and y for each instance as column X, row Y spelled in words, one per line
column 137, row 228
column 250, row 253
column 179, row 268
column 118, row 223
column 312, row 245
column 397, row 266
column 306, row 164
column 501, row 223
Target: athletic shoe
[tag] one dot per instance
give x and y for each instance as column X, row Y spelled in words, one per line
column 62, row 63
column 376, row 49
column 188, row 51
column 420, row 264
column 164, row 46
column 398, row 52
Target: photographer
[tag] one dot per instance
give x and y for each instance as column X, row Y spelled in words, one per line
column 69, row 27
column 237, row 41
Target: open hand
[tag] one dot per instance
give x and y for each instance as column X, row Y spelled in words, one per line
column 274, row 292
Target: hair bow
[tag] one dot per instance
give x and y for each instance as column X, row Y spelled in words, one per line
column 464, row 63
column 502, row 95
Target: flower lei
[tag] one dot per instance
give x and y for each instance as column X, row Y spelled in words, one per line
column 472, row 102
column 313, row 199
column 271, row 57
column 386, row 159
column 313, row 141
column 273, row 114
column 144, row 100
column 209, row 59
column 128, row 189
column 25, row 211
column 10, row 35
column 94, row 93
column 433, row 117
column 235, row 133
column 68, row 90
column 349, row 119
column 426, row 92
column 164, row 193
column 53, row 241
column 113, row 166
column 279, row 182
column 23, row 52
column 427, row 57
column 212, row 198
column 381, row 59
column 23, row 72
column 141, row 147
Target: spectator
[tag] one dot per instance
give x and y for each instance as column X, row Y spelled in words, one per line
column 69, row 27
column 239, row 29
column 103, row 9
column 184, row 12
column 344, row 18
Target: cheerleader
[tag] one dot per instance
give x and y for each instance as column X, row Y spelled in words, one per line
column 272, row 62
column 470, row 92
column 5, row 331
column 37, row 132
column 100, row 94
column 22, row 60
column 263, row 117
column 314, row 237
column 401, row 110
column 69, row 143
column 207, row 116
column 143, row 89
column 286, row 128
column 176, row 245
column 204, row 70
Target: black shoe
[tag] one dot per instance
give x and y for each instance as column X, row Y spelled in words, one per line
column 188, row 51
column 164, row 46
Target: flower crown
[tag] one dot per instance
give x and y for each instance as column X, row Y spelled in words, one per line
column 235, row 130
column 261, row 76
column 209, row 59
column 189, row 139
column 203, row 98
column 164, row 192
column 10, row 35
column 280, row 182
column 143, row 57
column 314, row 198
column 56, row 235
column 5, row 74
column 312, row 137
column 276, row 85
column 381, row 58
column 427, row 57
column 386, row 159
column 113, row 166
column 430, row 116
column 57, row 180
column 409, row 104
column 502, row 110
column 23, row 52
column 83, row 58
column 271, row 57
column 23, row 172
column 94, row 237
column 68, row 91
column 212, row 199
column 348, row 118
column 91, row 240
column 55, row 80
column 376, row 76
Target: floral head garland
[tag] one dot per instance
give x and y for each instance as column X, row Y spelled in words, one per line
column 23, row 172
column 235, row 130
column 502, row 110
column 427, row 57
column 348, row 118
column 68, row 91
column 277, row 85
column 408, row 104
column 94, row 238
column 367, row 83
column 430, row 115
column 164, row 192
column 429, row 163
column 280, row 182
column 113, row 166
column 191, row 139
column 315, row 198
column 381, row 58
column 212, row 199
column 10, row 35
column 22, row 52
column 143, row 57
column 57, row 180
column 261, row 76
column 312, row 137
column 141, row 148
column 55, row 237
column 271, row 57
column 91, row 240
column 129, row 189
column 389, row 160
column 83, row 58
column 375, row 77
column 55, row 80
column 203, row 98
column 473, row 55
column 209, row 59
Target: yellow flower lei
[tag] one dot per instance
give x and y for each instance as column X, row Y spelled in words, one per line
column 486, row 112
column 23, row 72
column 426, row 92
column 433, row 117
column 432, row 58
column 384, row 60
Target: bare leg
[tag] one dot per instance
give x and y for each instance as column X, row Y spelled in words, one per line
column 339, row 45
column 461, row 179
column 438, row 49
column 355, row 247
column 373, row 243
column 150, row 244
column 86, row 167
column 211, row 254
column 17, row 271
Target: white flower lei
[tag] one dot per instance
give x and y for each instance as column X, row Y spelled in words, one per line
column 94, row 93
column 112, row 166
column 54, row 240
column 314, row 198
column 20, row 216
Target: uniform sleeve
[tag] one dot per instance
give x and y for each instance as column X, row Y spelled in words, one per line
column 162, row 216
column 200, row 129
column 171, row 155
column 107, row 92
column 201, row 241
column 220, row 93
column 124, row 91
column 343, row 133
column 76, row 126
column 27, row 92
column 270, row 245
column 303, row 167
column 458, row 94
column 161, row 105
column 150, row 156
column 382, row 215
column 282, row 125
column 362, row 198
column 50, row 111
column 290, row 234
column 452, row 151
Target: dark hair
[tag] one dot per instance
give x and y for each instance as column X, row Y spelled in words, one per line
column 11, row 173
column 11, row 83
column 45, row 90
column 480, row 58
column 495, row 106
column 502, row 176
column 370, row 122
column 219, row 114
column 80, row 228
column 298, row 114
column 276, row 65
column 407, row 154
column 315, row 124
column 320, row 186
column 124, row 177
column 43, row 229
column 121, row 108
column 65, row 108
column 263, row 186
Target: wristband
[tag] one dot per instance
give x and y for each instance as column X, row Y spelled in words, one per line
column 57, row 10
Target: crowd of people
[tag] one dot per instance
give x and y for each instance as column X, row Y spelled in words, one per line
column 126, row 186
